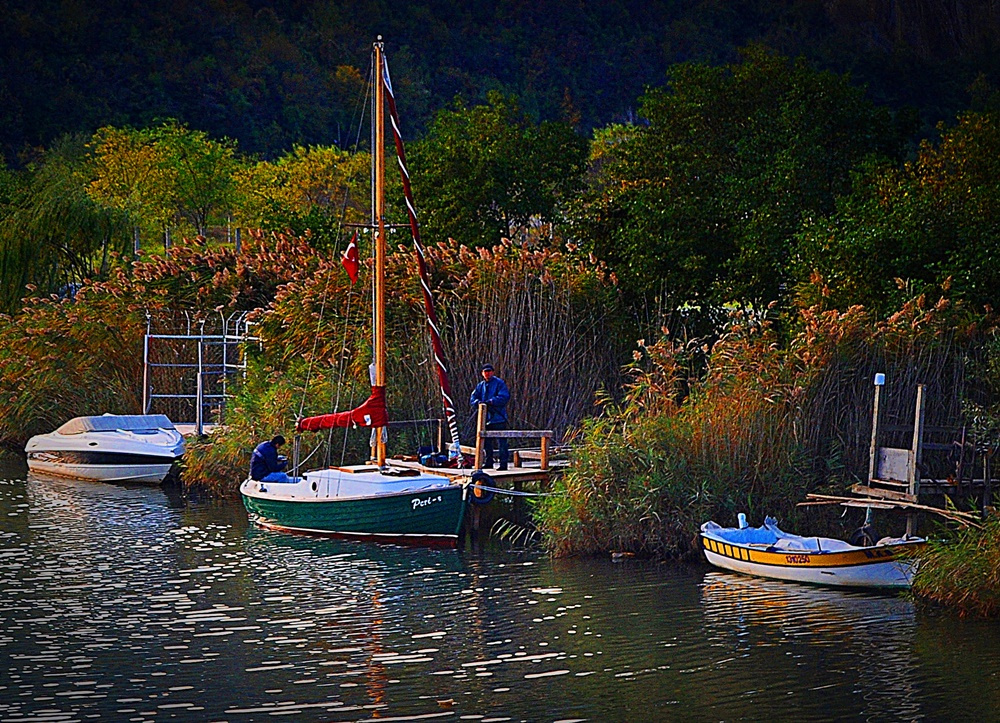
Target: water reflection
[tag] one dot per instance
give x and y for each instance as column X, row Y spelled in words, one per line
column 125, row 603
column 860, row 641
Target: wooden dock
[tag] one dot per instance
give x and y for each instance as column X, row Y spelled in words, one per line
column 525, row 465
column 511, row 478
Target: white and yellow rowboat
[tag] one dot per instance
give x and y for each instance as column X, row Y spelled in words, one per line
column 770, row 552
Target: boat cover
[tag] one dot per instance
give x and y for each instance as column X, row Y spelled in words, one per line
column 114, row 422
column 370, row 414
column 770, row 534
column 744, row 536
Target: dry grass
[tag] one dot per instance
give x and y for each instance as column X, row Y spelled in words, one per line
column 962, row 571
column 765, row 423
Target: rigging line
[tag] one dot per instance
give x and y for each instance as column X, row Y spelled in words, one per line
column 369, row 89
column 342, row 359
column 430, row 313
column 309, row 456
column 312, row 356
column 362, row 104
column 326, row 287
column 341, row 362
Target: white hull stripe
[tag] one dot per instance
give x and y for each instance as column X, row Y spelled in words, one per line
column 891, row 573
column 382, row 535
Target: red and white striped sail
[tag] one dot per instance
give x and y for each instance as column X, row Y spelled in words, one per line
column 432, row 321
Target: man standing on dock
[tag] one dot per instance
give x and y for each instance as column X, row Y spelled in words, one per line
column 492, row 392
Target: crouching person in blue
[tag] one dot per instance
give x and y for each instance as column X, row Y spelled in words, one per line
column 492, row 392
column 266, row 465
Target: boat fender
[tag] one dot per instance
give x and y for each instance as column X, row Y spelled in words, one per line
column 480, row 496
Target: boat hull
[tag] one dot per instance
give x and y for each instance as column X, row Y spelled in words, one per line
column 430, row 517
column 886, row 566
column 102, row 466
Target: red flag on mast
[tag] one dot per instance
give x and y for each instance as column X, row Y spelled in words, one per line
column 350, row 259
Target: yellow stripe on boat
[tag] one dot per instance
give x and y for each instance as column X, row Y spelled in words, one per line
column 804, row 558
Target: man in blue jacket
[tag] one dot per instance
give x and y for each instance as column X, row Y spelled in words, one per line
column 266, row 464
column 494, row 394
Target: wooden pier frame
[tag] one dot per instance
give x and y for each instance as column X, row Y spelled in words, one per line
column 901, row 478
column 894, row 473
column 482, row 433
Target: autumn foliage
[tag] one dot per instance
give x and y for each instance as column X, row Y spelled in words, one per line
column 752, row 423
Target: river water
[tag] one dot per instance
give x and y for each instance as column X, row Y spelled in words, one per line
column 131, row 604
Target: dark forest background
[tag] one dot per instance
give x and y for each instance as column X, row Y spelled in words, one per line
column 274, row 74
column 760, row 203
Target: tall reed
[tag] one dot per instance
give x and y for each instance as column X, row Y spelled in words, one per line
column 765, row 422
column 548, row 320
column 542, row 316
column 962, row 571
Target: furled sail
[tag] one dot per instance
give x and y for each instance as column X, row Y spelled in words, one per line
column 370, row 414
column 432, row 322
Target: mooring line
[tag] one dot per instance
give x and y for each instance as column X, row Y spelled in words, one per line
column 515, row 493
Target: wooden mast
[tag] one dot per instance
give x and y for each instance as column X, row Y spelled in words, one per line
column 378, row 222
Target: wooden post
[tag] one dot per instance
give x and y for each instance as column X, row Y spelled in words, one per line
column 987, row 482
column 480, row 428
column 146, row 401
column 913, row 472
column 378, row 212
column 545, row 454
column 873, row 451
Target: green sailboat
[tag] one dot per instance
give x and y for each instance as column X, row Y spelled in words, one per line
column 377, row 501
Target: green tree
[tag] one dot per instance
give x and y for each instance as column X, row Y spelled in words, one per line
column 933, row 219
column 314, row 188
column 484, row 173
column 129, row 174
column 164, row 176
column 704, row 201
column 201, row 170
column 53, row 235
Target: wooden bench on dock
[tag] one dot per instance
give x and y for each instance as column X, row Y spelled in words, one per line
column 545, row 435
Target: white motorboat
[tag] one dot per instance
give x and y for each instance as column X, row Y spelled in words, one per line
column 109, row 448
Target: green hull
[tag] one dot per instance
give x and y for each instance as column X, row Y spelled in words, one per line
column 430, row 517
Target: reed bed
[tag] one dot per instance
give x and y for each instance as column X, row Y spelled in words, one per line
column 61, row 358
column 765, row 423
column 542, row 316
column 548, row 320
column 961, row 571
